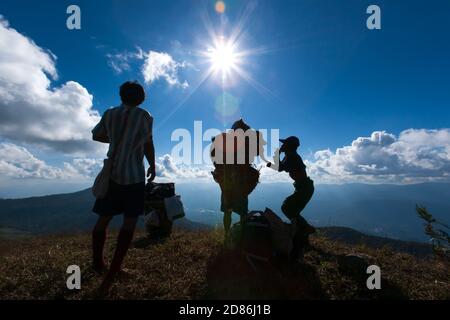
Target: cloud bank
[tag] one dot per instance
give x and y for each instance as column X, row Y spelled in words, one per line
column 416, row 155
column 34, row 112
column 19, row 163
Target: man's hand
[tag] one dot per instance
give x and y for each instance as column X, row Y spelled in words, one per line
column 149, row 151
column 151, row 174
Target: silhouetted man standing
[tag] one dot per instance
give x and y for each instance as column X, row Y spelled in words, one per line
column 128, row 130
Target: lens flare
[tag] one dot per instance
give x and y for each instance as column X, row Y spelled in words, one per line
column 227, row 106
column 220, row 7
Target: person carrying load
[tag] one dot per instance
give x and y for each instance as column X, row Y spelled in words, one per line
column 233, row 154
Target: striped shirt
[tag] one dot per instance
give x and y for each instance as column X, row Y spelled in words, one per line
column 129, row 158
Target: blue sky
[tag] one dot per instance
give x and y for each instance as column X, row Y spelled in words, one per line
column 329, row 79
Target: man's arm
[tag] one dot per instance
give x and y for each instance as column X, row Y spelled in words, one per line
column 149, row 151
column 99, row 132
column 100, row 138
column 276, row 165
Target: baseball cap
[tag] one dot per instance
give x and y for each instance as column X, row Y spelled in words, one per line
column 292, row 141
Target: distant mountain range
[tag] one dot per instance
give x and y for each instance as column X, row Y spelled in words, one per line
column 382, row 210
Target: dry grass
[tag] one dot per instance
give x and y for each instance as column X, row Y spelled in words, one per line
column 194, row 265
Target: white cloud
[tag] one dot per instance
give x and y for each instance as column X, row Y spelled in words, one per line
column 167, row 169
column 416, row 155
column 160, row 65
column 268, row 175
column 31, row 110
column 156, row 66
column 84, row 167
column 120, row 62
column 19, row 163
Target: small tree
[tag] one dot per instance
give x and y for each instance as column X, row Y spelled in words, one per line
column 437, row 231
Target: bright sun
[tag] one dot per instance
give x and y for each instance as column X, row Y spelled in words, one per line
column 223, row 57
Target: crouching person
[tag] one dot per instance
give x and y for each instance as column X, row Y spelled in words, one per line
column 128, row 130
column 293, row 205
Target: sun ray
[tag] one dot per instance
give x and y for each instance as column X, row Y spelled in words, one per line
column 237, row 32
column 264, row 91
column 208, row 25
column 205, row 75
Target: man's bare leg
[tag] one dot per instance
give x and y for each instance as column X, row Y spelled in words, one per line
column 98, row 243
column 227, row 221
column 123, row 243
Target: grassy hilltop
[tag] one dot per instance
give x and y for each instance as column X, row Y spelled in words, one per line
column 194, row 265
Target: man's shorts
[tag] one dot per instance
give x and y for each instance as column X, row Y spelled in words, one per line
column 234, row 200
column 236, row 183
column 295, row 203
column 122, row 199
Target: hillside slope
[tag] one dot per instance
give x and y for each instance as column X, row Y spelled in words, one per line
column 194, row 265
column 353, row 237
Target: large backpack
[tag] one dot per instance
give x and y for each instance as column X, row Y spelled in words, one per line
column 253, row 237
column 282, row 234
column 261, row 236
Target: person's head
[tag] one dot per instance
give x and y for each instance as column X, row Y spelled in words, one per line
column 132, row 93
column 289, row 144
column 240, row 124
